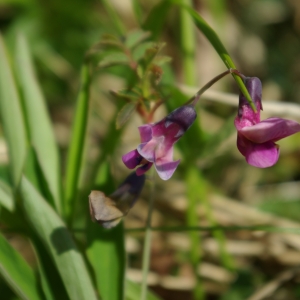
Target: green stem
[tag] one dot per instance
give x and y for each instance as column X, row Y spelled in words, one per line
column 147, row 242
column 196, row 97
column 188, row 44
column 195, row 190
column 266, row 228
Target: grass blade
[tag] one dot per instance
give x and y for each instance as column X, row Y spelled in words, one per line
column 133, row 292
column 6, row 196
column 12, row 117
column 17, row 273
column 39, row 123
column 77, row 142
column 219, row 47
column 109, row 245
column 55, row 236
column 109, row 271
column 156, row 19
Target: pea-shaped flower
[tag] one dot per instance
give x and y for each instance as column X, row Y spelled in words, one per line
column 157, row 142
column 256, row 139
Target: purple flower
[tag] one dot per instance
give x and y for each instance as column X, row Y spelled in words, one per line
column 157, row 142
column 256, row 139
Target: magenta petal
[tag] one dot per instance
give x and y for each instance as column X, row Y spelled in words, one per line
column 147, row 150
column 132, row 159
column 272, row 129
column 143, row 169
column 262, row 155
column 145, row 133
column 165, row 169
column 243, row 144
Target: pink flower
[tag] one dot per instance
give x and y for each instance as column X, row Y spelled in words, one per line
column 157, row 142
column 256, row 139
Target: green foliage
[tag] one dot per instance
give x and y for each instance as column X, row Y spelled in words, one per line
column 45, row 182
column 17, row 272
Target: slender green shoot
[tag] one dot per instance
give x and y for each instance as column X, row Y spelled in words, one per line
column 147, row 242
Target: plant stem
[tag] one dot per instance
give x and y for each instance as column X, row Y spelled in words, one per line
column 147, row 242
column 196, row 97
column 195, row 191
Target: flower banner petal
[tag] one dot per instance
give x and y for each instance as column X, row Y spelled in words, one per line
column 272, row 129
column 145, row 133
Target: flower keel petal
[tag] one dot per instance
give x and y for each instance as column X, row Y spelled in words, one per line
column 262, row 155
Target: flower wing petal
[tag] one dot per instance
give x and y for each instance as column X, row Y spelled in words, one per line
column 272, row 129
column 262, row 155
column 166, row 168
column 147, row 150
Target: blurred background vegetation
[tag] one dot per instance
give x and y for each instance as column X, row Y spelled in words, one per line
column 213, row 186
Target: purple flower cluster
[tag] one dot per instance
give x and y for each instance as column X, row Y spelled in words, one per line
column 256, row 139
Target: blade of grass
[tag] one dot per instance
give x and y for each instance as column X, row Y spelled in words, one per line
column 77, row 142
column 39, row 124
column 114, row 17
column 6, row 196
column 156, row 19
column 188, row 45
column 219, row 47
column 12, row 117
column 17, row 273
column 133, row 292
column 109, row 245
column 55, row 236
column 136, row 5
column 50, row 280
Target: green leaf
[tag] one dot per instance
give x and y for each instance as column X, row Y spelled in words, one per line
column 135, row 37
column 58, row 241
column 50, row 280
column 12, row 117
column 6, row 196
column 39, row 123
column 17, row 273
column 109, row 245
column 112, row 59
column 133, row 292
column 124, row 114
column 137, row 9
column 156, row 19
column 77, row 142
column 219, row 47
